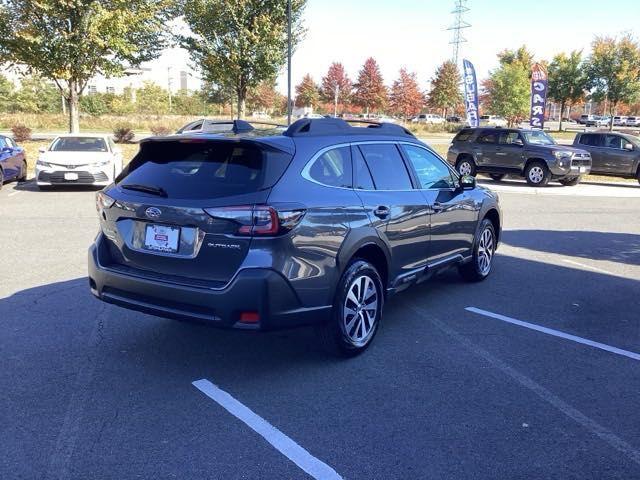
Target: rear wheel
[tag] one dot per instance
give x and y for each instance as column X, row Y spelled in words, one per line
column 466, row 166
column 357, row 311
column 537, row 174
column 570, row 182
column 23, row 172
column 638, row 174
column 497, row 176
column 484, row 250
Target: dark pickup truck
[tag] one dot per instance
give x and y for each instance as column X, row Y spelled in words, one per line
column 612, row 154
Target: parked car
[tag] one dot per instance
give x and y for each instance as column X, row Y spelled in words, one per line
column 620, row 121
column 454, row 119
column 492, row 121
column 428, row 118
column 78, row 160
column 593, row 120
column 633, row 121
column 13, row 162
column 613, row 154
column 531, row 154
column 266, row 230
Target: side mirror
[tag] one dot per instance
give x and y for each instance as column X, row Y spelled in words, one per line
column 42, row 150
column 628, row 146
column 467, row 182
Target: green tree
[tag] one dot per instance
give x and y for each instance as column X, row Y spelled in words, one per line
column 445, row 88
column 613, row 71
column 152, row 98
column 6, row 94
column 566, row 80
column 70, row 41
column 370, row 91
column 186, row 103
column 307, row 92
column 95, row 104
column 508, row 92
column 36, row 95
column 521, row 56
column 240, row 43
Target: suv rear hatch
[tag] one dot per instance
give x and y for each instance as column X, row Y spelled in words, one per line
column 185, row 209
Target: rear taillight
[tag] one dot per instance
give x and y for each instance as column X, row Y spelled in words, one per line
column 258, row 220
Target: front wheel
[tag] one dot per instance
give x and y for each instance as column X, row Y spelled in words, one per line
column 466, row 166
column 23, row 172
column 570, row 182
column 537, row 174
column 357, row 311
column 484, row 250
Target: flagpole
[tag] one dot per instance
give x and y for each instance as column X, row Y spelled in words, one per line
column 288, row 62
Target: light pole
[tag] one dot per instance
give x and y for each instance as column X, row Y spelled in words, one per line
column 288, row 62
column 336, row 93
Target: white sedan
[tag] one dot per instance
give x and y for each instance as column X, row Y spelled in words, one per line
column 79, row 160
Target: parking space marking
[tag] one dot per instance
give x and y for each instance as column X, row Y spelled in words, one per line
column 16, row 192
column 589, row 267
column 285, row 445
column 544, row 394
column 556, row 333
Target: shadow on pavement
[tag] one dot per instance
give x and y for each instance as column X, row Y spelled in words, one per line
column 613, row 247
column 31, row 186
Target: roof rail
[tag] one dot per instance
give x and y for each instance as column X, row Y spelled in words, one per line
column 338, row 126
column 237, row 126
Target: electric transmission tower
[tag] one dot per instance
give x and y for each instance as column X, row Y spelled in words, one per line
column 457, row 27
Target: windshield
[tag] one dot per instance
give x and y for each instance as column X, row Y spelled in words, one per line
column 538, row 138
column 79, row 144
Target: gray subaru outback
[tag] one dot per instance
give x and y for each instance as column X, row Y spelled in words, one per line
column 265, row 229
column 531, row 154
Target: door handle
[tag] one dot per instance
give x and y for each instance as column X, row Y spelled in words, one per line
column 382, row 211
column 437, row 207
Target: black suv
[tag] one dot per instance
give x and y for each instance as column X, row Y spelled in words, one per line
column 613, row 154
column 531, row 154
column 317, row 224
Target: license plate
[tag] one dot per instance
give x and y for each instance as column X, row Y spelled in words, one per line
column 583, row 169
column 70, row 176
column 162, row 238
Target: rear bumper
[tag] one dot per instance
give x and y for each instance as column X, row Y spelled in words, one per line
column 258, row 290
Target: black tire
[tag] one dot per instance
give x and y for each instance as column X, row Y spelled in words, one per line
column 638, row 174
column 1, row 178
column 23, row 172
column 497, row 176
column 537, row 174
column 570, row 182
column 466, row 166
column 476, row 270
column 334, row 335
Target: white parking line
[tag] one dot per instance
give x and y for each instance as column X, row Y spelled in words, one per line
column 588, row 267
column 14, row 193
column 556, row 333
column 290, row 449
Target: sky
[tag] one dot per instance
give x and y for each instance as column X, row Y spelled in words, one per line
column 413, row 33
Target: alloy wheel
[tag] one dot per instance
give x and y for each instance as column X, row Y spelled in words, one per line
column 360, row 310
column 486, row 249
column 536, row 174
column 464, row 168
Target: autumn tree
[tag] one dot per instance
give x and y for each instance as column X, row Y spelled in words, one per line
column 307, row 92
column 336, row 86
column 238, row 44
column 445, row 88
column 264, row 97
column 370, row 91
column 613, row 71
column 566, row 80
column 405, row 98
column 69, row 42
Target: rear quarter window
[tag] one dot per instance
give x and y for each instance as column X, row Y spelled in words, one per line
column 463, row 135
column 333, row 168
column 206, row 169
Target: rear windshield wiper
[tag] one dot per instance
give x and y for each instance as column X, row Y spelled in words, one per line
column 159, row 191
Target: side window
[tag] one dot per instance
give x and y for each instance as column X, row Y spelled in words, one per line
column 464, row 135
column 3, row 143
column 386, row 166
column 431, row 171
column 333, row 168
column 510, row 138
column 487, row 137
column 362, row 179
column 614, row 141
column 590, row 140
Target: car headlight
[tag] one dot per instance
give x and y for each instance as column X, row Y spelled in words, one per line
column 562, row 154
column 43, row 164
column 101, row 163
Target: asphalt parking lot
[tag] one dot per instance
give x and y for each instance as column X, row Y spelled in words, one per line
column 533, row 373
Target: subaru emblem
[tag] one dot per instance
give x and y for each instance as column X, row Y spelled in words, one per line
column 153, row 212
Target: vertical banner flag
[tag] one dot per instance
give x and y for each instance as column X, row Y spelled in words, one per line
column 470, row 93
column 538, row 95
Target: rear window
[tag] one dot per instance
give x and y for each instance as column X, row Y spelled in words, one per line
column 205, row 169
column 463, row 135
column 79, row 144
column 386, row 166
